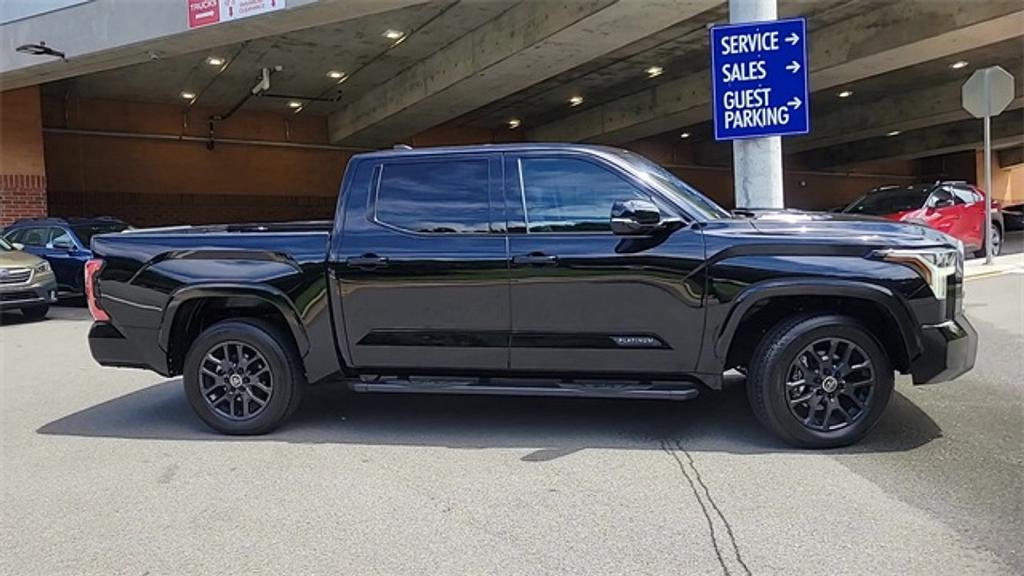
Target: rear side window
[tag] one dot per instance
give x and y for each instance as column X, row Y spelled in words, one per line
column 435, row 197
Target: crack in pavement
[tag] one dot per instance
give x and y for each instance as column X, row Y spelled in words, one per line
column 694, row 480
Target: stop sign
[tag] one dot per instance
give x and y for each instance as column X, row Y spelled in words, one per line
column 987, row 92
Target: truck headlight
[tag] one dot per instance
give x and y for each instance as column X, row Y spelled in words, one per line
column 43, row 268
column 935, row 265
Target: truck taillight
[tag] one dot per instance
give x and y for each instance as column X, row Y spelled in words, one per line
column 92, row 270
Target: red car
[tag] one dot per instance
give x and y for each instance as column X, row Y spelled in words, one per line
column 956, row 208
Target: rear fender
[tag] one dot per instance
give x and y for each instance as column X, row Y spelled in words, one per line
column 261, row 292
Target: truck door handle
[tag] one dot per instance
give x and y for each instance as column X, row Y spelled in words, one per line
column 535, row 259
column 367, row 261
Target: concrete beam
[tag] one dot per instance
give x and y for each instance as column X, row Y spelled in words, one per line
column 958, row 136
column 534, row 40
column 106, row 34
column 878, row 41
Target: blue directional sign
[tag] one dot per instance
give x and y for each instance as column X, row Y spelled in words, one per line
column 759, row 79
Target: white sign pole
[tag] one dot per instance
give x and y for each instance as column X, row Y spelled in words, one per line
column 988, row 181
column 756, row 162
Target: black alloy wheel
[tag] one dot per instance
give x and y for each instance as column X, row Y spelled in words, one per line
column 830, row 384
column 243, row 376
column 236, row 380
column 820, row 380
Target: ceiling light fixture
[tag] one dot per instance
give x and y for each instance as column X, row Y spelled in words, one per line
column 893, row 133
column 845, row 94
column 295, row 104
column 655, row 71
column 335, row 75
column 394, row 34
column 188, row 95
column 514, row 123
column 684, row 135
column 575, row 101
column 215, row 61
column 958, row 64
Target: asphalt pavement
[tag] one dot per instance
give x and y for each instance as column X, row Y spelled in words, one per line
column 106, row 471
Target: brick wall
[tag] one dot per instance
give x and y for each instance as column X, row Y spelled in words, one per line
column 21, row 196
column 22, row 169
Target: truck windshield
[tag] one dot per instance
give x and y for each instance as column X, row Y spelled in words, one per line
column 672, row 184
column 85, row 232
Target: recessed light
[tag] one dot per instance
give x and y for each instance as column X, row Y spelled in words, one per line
column 893, row 133
column 394, row 34
column 958, row 64
column 295, row 104
column 575, row 101
column 684, row 135
column 514, row 123
column 845, row 94
column 214, row 61
column 654, row 71
column 188, row 95
column 335, row 75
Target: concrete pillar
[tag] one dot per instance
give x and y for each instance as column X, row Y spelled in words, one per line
column 22, row 168
column 757, row 162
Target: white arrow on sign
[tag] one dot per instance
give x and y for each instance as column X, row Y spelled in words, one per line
column 793, row 66
column 793, row 39
column 796, row 102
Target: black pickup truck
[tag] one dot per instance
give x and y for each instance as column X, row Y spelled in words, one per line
column 555, row 270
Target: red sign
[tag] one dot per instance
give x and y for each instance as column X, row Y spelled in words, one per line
column 203, row 12
column 206, row 12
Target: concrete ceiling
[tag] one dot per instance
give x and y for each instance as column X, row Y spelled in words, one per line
column 914, row 98
column 354, row 47
column 680, row 50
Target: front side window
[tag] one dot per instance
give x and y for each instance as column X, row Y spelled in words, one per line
column 59, row 237
column 571, row 195
column 449, row 197
column 944, row 195
column 964, row 195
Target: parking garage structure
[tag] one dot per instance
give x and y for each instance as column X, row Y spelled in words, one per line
column 173, row 117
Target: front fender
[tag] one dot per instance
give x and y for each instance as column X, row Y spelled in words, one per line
column 892, row 304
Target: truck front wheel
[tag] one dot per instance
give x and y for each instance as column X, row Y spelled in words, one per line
column 243, row 377
column 819, row 381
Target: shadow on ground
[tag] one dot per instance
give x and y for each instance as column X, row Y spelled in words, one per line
column 72, row 308
column 716, row 421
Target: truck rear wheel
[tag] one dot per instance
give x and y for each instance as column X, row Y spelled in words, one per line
column 819, row 381
column 243, row 377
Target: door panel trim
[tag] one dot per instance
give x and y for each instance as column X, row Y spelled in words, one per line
column 499, row 339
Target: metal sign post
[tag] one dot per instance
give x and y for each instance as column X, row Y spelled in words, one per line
column 986, row 94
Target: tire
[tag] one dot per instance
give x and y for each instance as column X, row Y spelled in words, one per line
column 997, row 242
column 784, row 356
column 262, row 358
column 35, row 312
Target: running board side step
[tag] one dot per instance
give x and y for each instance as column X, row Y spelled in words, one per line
column 639, row 390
